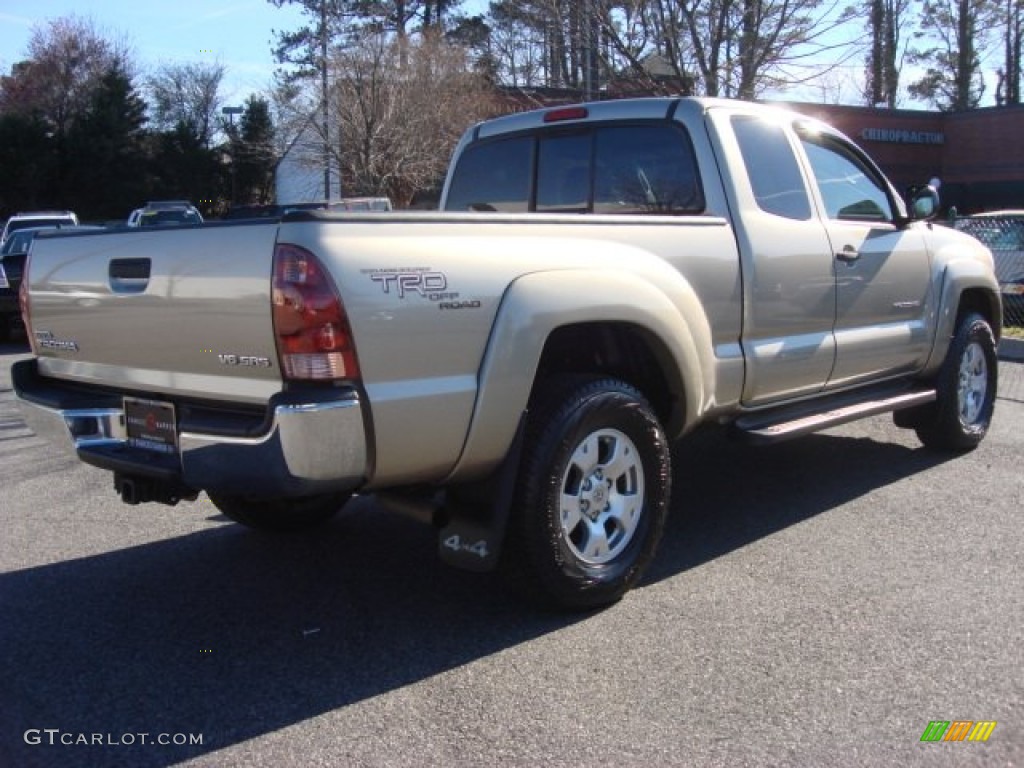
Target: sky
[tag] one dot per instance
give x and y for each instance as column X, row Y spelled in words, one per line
column 237, row 33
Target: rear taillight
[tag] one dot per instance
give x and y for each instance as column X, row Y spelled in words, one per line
column 23, row 306
column 314, row 340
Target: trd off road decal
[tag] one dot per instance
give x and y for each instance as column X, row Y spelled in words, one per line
column 424, row 282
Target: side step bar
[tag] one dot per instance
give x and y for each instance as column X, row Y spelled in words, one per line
column 787, row 423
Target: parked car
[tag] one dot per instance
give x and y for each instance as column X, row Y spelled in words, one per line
column 158, row 213
column 1003, row 233
column 38, row 219
column 1006, row 213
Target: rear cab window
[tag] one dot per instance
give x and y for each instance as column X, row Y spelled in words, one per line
column 633, row 168
column 493, row 176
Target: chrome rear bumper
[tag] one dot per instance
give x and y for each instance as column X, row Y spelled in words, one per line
column 316, row 441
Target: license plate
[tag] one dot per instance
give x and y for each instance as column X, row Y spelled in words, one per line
column 150, row 424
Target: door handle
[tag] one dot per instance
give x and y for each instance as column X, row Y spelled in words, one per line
column 849, row 254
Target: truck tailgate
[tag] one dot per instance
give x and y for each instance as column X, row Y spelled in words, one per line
column 181, row 312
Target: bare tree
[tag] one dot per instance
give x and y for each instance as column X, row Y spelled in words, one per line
column 1008, row 91
column 291, row 107
column 517, row 46
column 736, row 48
column 887, row 23
column 552, row 43
column 959, row 31
column 346, row 21
column 778, row 37
column 188, row 96
column 401, row 108
column 67, row 58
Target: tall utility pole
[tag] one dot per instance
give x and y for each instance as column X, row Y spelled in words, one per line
column 323, row 97
column 231, row 112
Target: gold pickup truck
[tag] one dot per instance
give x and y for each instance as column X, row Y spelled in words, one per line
column 603, row 279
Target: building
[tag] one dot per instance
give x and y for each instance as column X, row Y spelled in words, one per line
column 978, row 155
column 299, row 175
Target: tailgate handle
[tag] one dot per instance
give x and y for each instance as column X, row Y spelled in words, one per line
column 129, row 275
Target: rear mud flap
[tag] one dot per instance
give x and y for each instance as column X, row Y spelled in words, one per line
column 473, row 533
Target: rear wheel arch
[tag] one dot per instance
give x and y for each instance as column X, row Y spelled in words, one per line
column 619, row 350
column 598, row 322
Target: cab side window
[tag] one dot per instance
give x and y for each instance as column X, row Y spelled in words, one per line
column 848, row 187
column 772, row 168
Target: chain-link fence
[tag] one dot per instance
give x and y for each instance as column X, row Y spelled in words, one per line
column 1004, row 234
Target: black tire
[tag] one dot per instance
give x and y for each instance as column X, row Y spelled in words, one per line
column 591, row 442
column 280, row 514
column 966, row 390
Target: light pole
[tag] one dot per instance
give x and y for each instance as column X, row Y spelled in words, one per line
column 323, row 98
column 231, row 112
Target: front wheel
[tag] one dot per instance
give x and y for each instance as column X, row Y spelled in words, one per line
column 280, row 514
column 592, row 494
column 965, row 389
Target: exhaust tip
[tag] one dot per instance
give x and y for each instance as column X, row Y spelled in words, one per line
column 128, row 489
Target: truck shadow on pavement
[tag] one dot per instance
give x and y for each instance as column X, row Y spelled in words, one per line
column 727, row 495
column 234, row 635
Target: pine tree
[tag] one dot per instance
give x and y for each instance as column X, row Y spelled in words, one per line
column 106, row 160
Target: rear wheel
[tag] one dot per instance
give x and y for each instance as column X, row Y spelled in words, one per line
column 965, row 388
column 592, row 494
column 280, row 514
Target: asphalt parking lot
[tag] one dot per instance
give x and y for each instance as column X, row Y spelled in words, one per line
column 816, row 603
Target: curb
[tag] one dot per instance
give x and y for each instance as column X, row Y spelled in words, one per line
column 1011, row 349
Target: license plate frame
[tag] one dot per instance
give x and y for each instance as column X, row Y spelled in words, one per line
column 151, row 425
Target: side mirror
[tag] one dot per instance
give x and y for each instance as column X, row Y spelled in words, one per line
column 924, row 204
